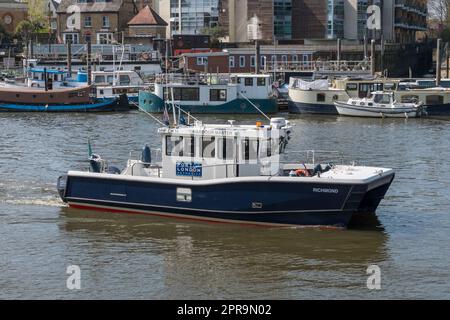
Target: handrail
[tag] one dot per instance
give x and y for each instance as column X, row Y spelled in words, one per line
column 260, row 111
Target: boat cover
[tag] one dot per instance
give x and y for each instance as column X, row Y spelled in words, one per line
column 296, row 83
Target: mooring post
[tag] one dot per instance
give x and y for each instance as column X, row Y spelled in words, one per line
column 372, row 57
column 438, row 63
column 69, row 58
column 89, row 70
column 338, row 58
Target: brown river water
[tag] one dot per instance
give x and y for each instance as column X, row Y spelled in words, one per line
column 140, row 257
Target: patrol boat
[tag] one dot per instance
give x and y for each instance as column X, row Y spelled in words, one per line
column 228, row 173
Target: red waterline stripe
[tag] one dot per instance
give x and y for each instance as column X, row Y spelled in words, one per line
column 249, row 224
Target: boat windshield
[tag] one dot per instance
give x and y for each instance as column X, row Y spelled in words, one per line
column 382, row 98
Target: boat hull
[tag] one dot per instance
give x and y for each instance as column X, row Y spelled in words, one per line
column 150, row 102
column 311, row 108
column 258, row 201
column 374, row 112
column 98, row 106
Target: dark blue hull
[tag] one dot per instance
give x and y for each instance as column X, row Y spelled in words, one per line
column 308, row 108
column 99, row 106
column 442, row 110
column 262, row 203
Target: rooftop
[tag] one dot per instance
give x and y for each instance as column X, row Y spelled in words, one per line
column 147, row 17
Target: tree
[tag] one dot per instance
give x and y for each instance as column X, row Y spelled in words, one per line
column 24, row 30
column 5, row 37
column 439, row 10
column 38, row 13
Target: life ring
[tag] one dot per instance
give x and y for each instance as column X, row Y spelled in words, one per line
column 302, row 173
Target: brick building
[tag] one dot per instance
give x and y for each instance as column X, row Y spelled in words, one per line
column 99, row 21
column 243, row 60
column 147, row 24
column 11, row 13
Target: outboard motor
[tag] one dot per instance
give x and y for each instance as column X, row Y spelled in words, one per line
column 61, row 186
column 146, row 156
column 97, row 163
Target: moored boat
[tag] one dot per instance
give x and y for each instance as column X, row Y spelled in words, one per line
column 246, row 93
column 229, row 173
column 378, row 105
column 58, row 100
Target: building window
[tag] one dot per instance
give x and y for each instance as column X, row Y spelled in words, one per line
column 72, row 37
column 252, row 61
column 87, row 22
column 263, row 61
column 105, row 22
column 231, row 61
column 242, row 61
column 218, row 95
column 294, row 58
column 104, row 38
column 202, row 61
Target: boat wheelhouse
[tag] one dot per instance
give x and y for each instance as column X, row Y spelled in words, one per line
column 111, row 84
column 229, row 173
column 239, row 93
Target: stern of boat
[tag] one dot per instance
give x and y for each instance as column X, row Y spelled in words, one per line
column 61, row 186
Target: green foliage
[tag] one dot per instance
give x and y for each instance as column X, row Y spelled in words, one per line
column 24, row 29
column 5, row 37
column 38, row 13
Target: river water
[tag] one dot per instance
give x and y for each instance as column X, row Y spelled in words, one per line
column 124, row 256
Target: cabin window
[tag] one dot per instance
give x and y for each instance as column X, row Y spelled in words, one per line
column 249, row 82
column 390, row 86
column 226, row 149
column 266, row 148
column 321, row 97
column 382, row 98
column 102, row 92
column 218, row 95
column 34, row 96
column 99, row 79
column 335, row 98
column 249, row 149
column 110, row 79
column 365, row 89
column 188, row 147
column 435, row 99
column 174, row 146
column 409, row 99
column 351, row 87
column 190, row 94
column 208, row 147
column 261, row 82
column 183, row 94
column 124, row 80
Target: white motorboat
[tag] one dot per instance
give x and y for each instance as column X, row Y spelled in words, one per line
column 379, row 105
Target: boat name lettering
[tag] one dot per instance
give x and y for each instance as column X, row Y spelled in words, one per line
column 321, row 190
column 189, row 169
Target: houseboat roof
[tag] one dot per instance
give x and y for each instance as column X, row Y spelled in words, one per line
column 49, row 71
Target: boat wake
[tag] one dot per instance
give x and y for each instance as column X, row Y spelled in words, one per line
column 29, row 193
